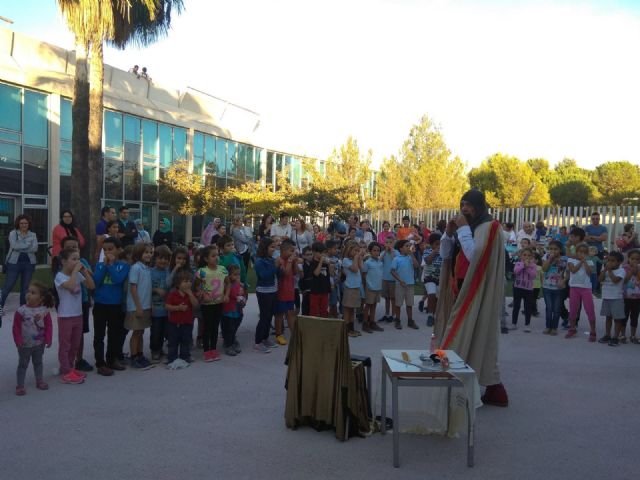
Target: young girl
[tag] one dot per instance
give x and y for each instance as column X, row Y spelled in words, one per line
column 287, row 264
column 352, row 266
column 580, row 269
column 525, row 272
column 179, row 262
column 139, row 303
column 209, row 286
column 266, row 292
column 554, row 266
column 32, row 330
column 179, row 303
column 68, row 282
column 234, row 302
column 632, row 292
column 372, row 267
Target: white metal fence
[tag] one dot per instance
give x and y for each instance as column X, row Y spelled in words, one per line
column 612, row 217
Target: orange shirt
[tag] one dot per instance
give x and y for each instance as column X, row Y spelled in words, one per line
column 403, row 232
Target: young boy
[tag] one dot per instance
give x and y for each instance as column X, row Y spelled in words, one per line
column 287, row 264
column 320, row 282
column 372, row 268
column 228, row 256
column 402, row 270
column 334, row 296
column 304, row 284
column 388, row 281
column 179, row 303
column 611, row 277
column 431, row 264
column 159, row 289
column 109, row 277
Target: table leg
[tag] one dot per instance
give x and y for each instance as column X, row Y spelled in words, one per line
column 396, row 422
column 448, row 407
column 470, row 435
column 383, row 401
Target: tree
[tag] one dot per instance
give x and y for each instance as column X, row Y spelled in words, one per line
column 540, row 167
column 617, row 181
column 509, row 182
column 93, row 22
column 349, row 170
column 571, row 185
column 392, row 190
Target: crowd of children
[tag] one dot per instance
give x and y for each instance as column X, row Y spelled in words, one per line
column 138, row 288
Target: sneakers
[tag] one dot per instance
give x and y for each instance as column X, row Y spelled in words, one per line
column 572, row 332
column 141, row 363
column 211, row 356
column 546, row 331
column 513, row 326
column 604, row 339
column 83, row 366
column 634, row 339
column 42, row 385
column 592, row 337
column 269, row 343
column 421, row 305
column 281, row 340
column 504, row 330
column 375, row 327
column 430, row 319
column 117, row 366
column 383, row 319
column 366, row 327
column 398, row 325
column 353, row 333
column 80, row 374
column 261, row 348
column 553, row 332
column 389, row 319
column 105, row 371
column 155, row 357
column 230, row 351
column 236, row 346
column 622, row 339
column 21, row 391
column 72, row 378
column 614, row 342
column 412, row 324
column 527, row 329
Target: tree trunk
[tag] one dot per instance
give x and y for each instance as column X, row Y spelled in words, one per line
column 93, row 203
column 80, row 145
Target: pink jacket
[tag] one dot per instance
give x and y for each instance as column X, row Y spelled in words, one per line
column 524, row 276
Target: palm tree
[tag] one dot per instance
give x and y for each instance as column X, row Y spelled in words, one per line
column 118, row 22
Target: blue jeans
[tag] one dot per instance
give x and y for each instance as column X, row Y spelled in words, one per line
column 24, row 270
column 553, row 301
column 180, row 338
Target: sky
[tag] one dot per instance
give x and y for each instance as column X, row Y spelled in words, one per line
column 549, row 79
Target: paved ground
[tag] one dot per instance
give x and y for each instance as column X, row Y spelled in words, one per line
column 573, row 414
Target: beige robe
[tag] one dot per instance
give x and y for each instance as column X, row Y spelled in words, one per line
column 476, row 340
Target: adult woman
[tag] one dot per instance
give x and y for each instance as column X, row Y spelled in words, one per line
column 318, row 234
column 264, row 230
column 628, row 240
column 241, row 242
column 66, row 228
column 367, row 233
column 300, row 236
column 143, row 235
column 210, row 231
column 21, row 258
column 164, row 235
column 385, row 233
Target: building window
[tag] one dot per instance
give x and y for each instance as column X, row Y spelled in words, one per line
column 221, row 157
column 36, row 125
column 166, row 147
column 113, row 130
column 10, row 107
column 179, row 144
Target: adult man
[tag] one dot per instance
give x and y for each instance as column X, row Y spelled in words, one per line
column 337, row 229
column 108, row 214
column 526, row 232
column 282, row 229
column 127, row 231
column 404, row 231
column 472, row 292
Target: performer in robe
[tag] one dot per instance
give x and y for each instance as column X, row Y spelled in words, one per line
column 472, row 292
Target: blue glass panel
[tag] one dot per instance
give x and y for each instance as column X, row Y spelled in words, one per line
column 257, row 152
column 179, row 144
column 65, row 163
column 113, row 178
column 232, row 159
column 221, row 157
column 250, row 165
column 36, row 171
column 9, row 136
column 113, row 130
column 242, row 160
column 210, row 153
column 131, row 129
column 10, row 108
column 66, row 119
column 198, row 152
column 165, row 145
column 36, row 125
column 150, row 138
column 10, row 156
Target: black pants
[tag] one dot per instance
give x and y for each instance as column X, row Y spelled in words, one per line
column 267, row 305
column 211, row 315
column 109, row 318
column 180, row 337
column 158, row 333
column 35, row 355
column 520, row 294
column 632, row 310
column 536, row 295
column 230, row 327
column 246, row 258
column 306, row 306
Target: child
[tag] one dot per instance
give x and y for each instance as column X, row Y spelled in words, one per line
column 234, row 302
column 554, row 266
column 139, row 303
column 179, row 304
column 402, row 271
column 388, row 281
column 112, row 229
column 431, row 264
column 287, row 264
column 537, row 282
column 612, row 279
column 68, row 281
column 228, row 256
column 179, row 262
column 632, row 292
column 372, row 267
column 266, row 292
column 334, row 296
column 321, row 272
column 524, row 271
column 159, row 288
column 580, row 269
column 197, row 311
column 109, row 278
column 32, row 330
column 595, row 280
column 210, row 287
column 306, row 275
column 352, row 266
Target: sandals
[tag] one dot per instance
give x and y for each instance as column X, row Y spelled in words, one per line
column 634, row 339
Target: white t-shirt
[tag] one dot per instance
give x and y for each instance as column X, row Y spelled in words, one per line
column 580, row 279
column 277, row 230
column 70, row 301
column 610, row 290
